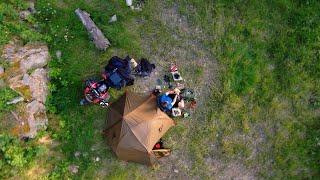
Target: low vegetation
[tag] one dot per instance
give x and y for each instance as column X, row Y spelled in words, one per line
column 265, row 114
column 262, row 116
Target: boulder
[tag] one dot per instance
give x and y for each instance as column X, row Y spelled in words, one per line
column 33, row 88
column 38, row 85
column 37, row 58
column 36, row 117
column 30, row 56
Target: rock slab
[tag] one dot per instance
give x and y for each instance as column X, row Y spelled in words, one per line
column 28, row 76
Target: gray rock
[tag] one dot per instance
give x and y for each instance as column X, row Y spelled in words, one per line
column 74, row 169
column 16, row 83
column 113, row 19
column 77, row 154
column 36, row 117
column 24, row 14
column 26, row 79
column 58, row 54
column 37, row 58
column 31, row 7
column 1, row 70
column 30, row 56
column 16, row 100
column 8, row 53
column 38, row 85
column 129, row 2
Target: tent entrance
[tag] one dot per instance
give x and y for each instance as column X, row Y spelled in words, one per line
column 159, row 153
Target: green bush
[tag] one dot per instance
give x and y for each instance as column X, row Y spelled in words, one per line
column 6, row 94
column 15, row 155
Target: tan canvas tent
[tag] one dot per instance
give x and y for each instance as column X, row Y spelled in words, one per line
column 134, row 125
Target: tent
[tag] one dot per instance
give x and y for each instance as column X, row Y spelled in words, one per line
column 134, row 125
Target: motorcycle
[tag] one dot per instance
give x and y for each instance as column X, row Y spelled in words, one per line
column 96, row 92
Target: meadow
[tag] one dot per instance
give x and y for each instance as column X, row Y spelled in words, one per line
column 256, row 64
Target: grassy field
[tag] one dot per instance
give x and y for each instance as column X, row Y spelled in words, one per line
column 255, row 63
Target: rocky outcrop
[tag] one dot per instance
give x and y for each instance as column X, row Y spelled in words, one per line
column 36, row 116
column 38, row 81
column 29, row 57
column 27, row 75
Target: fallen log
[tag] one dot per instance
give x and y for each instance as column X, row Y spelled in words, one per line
column 99, row 39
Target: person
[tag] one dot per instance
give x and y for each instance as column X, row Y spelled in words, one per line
column 167, row 100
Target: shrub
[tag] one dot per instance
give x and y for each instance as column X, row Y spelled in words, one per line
column 15, row 155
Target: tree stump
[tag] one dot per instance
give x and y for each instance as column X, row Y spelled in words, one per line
column 99, row 39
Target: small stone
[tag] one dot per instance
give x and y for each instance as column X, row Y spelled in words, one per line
column 24, row 14
column 77, row 154
column 1, row 70
column 31, row 7
column 176, row 170
column 74, row 169
column 129, row 2
column 113, row 19
column 26, row 79
column 16, row 100
column 58, row 54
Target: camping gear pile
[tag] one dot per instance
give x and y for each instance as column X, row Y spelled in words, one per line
column 96, row 93
column 136, row 122
column 186, row 101
column 118, row 73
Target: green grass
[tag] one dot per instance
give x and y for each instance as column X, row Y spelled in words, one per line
column 12, row 27
column 80, row 128
column 263, row 115
column 268, row 57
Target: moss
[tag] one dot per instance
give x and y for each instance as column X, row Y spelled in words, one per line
column 25, row 92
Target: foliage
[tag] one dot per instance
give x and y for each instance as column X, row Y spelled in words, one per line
column 79, row 128
column 6, row 95
column 11, row 25
column 263, row 115
column 15, row 155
